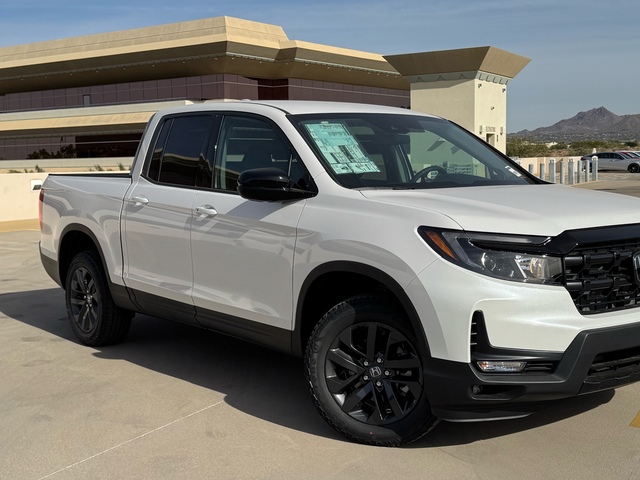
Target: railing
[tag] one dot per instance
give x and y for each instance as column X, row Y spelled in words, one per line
column 569, row 171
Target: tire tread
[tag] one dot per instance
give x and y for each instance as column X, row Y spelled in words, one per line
column 423, row 423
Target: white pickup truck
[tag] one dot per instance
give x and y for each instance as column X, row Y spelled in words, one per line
column 421, row 273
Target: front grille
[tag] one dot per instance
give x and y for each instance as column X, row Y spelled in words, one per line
column 603, row 278
column 612, row 369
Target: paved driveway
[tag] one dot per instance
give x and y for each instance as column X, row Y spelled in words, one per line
column 175, row 402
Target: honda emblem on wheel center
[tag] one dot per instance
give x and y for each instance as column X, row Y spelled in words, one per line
column 375, row 371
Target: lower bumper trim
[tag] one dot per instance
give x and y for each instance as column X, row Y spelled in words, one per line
column 459, row 392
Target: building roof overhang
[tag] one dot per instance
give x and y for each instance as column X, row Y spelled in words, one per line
column 200, row 47
column 490, row 60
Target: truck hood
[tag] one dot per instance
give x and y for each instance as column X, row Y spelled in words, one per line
column 522, row 209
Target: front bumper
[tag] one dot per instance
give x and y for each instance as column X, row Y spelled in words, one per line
column 596, row 360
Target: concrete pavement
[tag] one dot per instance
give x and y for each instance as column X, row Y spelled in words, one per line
column 615, row 182
column 175, row 402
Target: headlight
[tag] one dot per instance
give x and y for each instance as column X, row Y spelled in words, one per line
column 499, row 256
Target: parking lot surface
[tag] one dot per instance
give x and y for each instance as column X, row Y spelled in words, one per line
column 175, row 402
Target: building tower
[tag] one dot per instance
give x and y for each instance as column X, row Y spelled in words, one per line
column 468, row 86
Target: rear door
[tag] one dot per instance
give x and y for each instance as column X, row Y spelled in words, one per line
column 604, row 162
column 158, row 214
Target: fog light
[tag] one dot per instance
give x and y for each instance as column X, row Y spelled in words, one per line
column 501, row 367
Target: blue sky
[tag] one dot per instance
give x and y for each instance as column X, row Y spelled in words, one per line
column 584, row 53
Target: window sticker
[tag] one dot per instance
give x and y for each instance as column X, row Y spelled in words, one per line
column 340, row 148
column 513, row 171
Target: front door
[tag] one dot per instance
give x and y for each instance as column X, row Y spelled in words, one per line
column 243, row 250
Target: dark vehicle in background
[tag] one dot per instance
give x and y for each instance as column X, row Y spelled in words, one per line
column 615, row 161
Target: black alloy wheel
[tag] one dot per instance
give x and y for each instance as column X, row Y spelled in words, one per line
column 85, row 301
column 366, row 375
column 373, row 373
column 94, row 317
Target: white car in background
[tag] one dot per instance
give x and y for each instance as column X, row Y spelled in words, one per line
column 620, row 161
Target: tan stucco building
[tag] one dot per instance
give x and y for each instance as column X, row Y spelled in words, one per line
column 90, row 96
column 468, row 86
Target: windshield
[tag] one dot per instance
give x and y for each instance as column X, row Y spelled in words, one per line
column 404, row 151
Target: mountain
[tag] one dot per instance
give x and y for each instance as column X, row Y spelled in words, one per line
column 595, row 124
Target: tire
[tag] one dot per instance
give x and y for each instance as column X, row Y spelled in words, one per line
column 633, row 168
column 95, row 319
column 365, row 373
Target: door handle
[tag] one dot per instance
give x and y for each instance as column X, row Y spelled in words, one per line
column 206, row 211
column 138, row 200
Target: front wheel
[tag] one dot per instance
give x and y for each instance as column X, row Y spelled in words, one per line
column 634, row 168
column 95, row 319
column 366, row 375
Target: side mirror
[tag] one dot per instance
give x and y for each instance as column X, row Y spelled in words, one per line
column 269, row 185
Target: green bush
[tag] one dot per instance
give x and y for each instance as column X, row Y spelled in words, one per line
column 520, row 147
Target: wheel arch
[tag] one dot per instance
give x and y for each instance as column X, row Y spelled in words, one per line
column 330, row 283
column 76, row 238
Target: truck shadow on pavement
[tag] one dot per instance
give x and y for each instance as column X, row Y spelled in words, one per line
column 259, row 382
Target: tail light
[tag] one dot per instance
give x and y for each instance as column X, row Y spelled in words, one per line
column 40, row 203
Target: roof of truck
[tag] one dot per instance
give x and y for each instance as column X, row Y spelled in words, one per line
column 291, row 107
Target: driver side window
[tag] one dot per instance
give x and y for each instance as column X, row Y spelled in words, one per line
column 247, row 143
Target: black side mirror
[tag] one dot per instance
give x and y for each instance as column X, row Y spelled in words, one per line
column 269, row 185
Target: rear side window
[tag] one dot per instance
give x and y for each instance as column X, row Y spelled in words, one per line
column 179, row 154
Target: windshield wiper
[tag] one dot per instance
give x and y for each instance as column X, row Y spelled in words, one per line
column 425, row 186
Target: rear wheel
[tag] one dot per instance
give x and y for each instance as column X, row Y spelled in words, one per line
column 634, row 168
column 95, row 319
column 365, row 373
